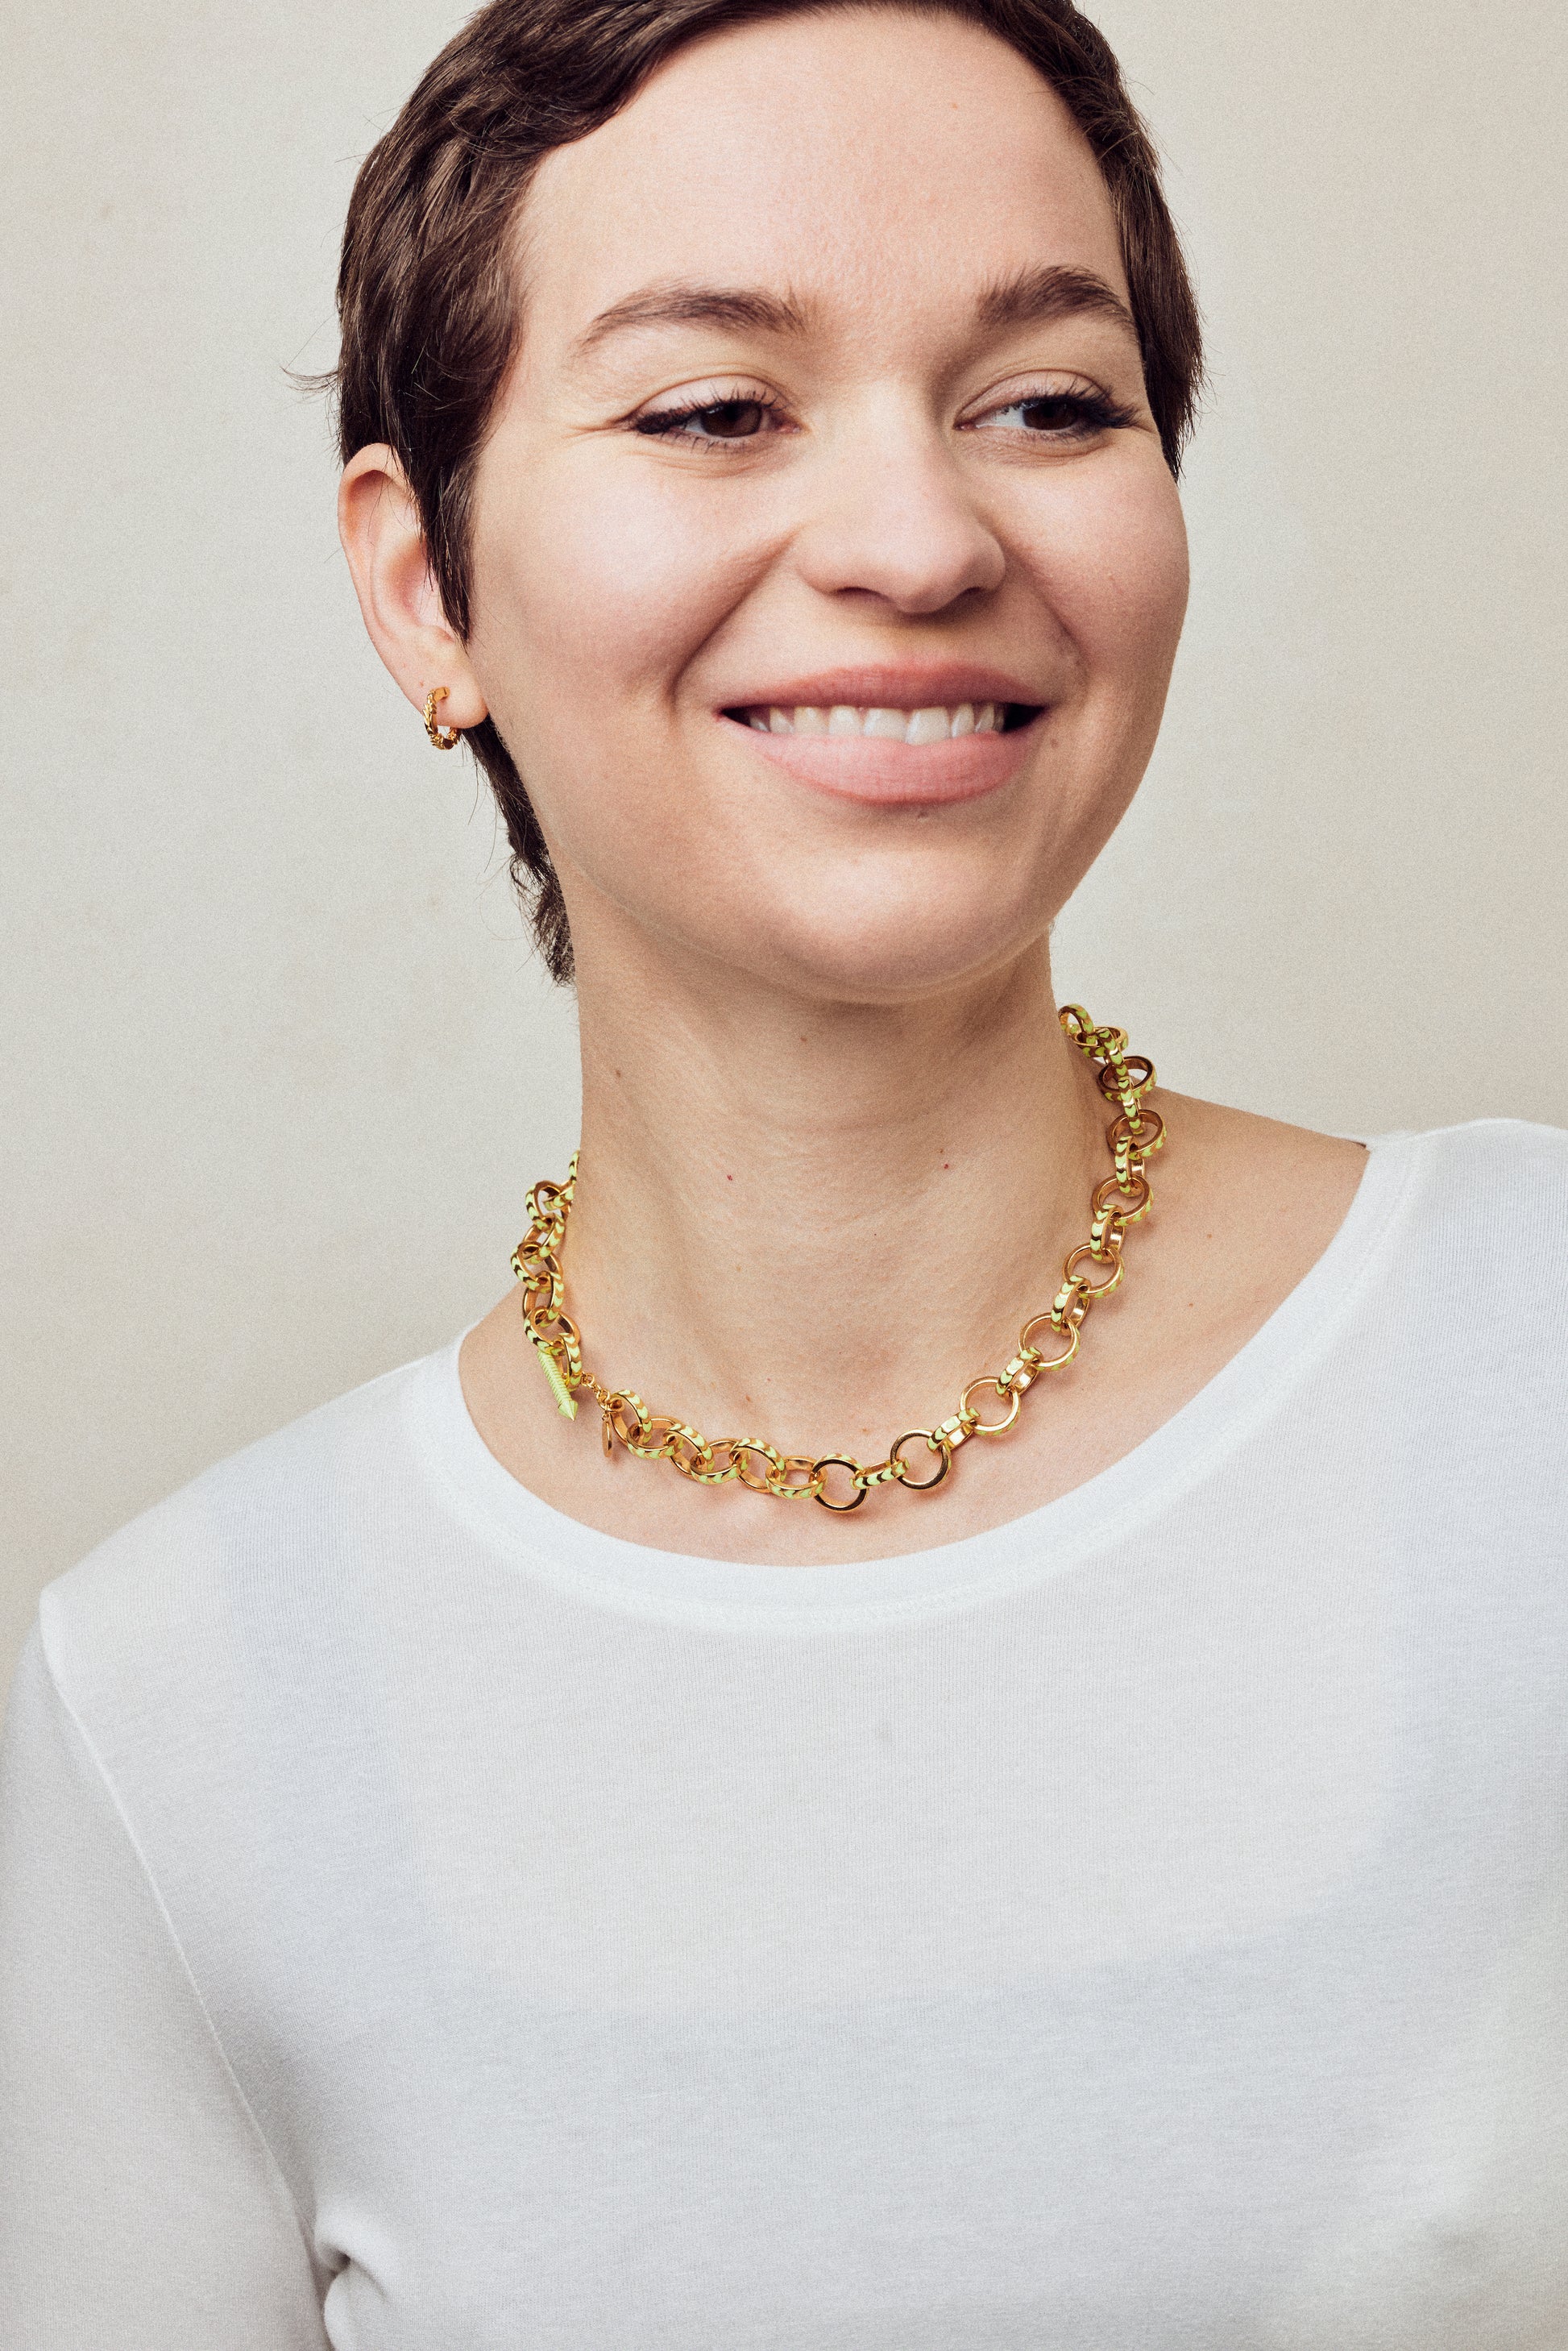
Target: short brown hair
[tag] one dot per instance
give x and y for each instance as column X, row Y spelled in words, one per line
column 429, row 305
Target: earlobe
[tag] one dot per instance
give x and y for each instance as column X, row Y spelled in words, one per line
column 379, row 525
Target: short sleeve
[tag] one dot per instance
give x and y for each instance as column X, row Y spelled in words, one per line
column 139, row 2201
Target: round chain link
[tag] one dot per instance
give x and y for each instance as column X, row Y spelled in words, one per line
column 1120, row 1199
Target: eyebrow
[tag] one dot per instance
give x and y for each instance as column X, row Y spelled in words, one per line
column 740, row 306
column 1032, row 297
column 1028, row 297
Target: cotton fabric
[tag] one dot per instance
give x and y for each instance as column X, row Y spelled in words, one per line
column 426, row 1922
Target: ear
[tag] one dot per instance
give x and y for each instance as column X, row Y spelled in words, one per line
column 379, row 524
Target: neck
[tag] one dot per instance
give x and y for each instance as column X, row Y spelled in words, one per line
column 813, row 1222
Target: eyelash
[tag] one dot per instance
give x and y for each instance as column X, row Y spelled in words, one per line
column 1094, row 411
column 663, row 423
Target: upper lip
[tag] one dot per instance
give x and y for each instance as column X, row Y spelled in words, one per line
column 904, row 685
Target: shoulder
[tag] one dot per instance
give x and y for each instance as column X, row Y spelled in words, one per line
column 1478, row 1215
column 255, row 1558
column 1489, row 1166
column 1477, row 1245
column 1450, row 1244
column 1449, row 1179
column 1467, row 1304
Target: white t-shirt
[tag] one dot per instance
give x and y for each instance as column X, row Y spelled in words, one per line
column 428, row 1924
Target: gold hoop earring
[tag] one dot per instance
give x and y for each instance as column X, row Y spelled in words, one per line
column 445, row 738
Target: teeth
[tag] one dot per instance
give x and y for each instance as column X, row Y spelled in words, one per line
column 930, row 726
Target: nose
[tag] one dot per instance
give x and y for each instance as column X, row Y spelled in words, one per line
column 895, row 518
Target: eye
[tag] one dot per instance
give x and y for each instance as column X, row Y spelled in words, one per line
column 746, row 416
column 1078, row 413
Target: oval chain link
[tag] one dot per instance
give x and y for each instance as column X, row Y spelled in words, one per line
column 1120, row 1199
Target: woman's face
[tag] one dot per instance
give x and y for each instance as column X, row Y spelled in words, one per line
column 827, row 572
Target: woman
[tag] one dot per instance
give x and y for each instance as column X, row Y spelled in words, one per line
column 469, row 1883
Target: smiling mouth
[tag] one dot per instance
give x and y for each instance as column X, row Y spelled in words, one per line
column 844, row 721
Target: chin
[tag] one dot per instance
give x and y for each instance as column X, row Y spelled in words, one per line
column 870, row 938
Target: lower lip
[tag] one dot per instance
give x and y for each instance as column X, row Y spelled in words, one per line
column 878, row 773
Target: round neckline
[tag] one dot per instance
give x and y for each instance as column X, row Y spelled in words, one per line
column 639, row 1579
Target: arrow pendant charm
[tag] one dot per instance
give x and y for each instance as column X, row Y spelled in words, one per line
column 566, row 1401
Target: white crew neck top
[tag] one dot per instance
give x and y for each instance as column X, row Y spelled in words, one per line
column 428, row 1924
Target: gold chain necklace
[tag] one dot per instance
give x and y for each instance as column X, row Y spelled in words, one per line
column 1120, row 1199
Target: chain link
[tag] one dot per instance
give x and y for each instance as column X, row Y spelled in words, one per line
column 1119, row 1200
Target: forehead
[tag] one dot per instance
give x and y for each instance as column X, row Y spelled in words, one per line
column 856, row 156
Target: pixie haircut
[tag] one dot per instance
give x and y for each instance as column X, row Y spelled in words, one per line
column 429, row 302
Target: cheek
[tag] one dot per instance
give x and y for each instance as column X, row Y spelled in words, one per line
column 597, row 574
column 1110, row 559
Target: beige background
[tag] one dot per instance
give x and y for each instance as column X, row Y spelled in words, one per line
column 277, row 1064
